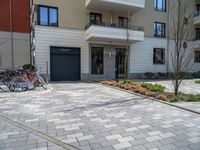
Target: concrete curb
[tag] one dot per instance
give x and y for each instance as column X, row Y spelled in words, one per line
column 151, row 98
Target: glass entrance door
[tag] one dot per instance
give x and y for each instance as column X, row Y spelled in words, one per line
column 120, row 63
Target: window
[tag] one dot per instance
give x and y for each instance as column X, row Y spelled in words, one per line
column 198, row 10
column 95, row 18
column 123, row 22
column 48, row 16
column 159, row 56
column 160, row 5
column 97, row 60
column 197, row 56
column 159, row 29
column 197, row 37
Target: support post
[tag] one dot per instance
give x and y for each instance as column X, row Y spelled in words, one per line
column 47, row 72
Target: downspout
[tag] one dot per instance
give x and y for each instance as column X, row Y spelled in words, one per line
column 11, row 33
column 30, row 23
column 168, row 35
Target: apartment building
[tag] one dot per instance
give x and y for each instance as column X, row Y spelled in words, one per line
column 14, row 33
column 197, row 35
column 102, row 39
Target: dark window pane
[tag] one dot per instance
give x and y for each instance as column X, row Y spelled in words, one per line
column 123, row 22
column 159, row 30
column 95, row 18
column 43, row 16
column 159, row 56
column 53, row 17
column 197, row 56
column 97, row 60
column 197, row 34
column 48, row 16
column 160, row 5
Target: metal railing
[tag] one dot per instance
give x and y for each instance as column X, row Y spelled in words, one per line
column 114, row 25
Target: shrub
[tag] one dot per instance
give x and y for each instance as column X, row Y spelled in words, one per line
column 186, row 75
column 149, row 75
column 28, row 67
column 194, row 98
column 153, row 87
column 162, row 97
column 162, row 75
column 176, row 98
column 196, row 74
column 137, row 86
column 197, row 82
column 151, row 94
column 142, row 91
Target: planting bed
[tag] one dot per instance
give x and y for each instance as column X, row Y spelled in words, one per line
column 152, row 90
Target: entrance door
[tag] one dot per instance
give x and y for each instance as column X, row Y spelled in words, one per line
column 120, row 63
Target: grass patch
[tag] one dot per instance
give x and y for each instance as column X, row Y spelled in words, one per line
column 197, row 82
column 183, row 97
column 153, row 87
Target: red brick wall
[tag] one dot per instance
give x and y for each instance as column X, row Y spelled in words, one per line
column 20, row 16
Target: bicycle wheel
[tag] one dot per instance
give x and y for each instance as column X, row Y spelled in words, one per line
column 4, row 86
column 12, row 87
column 42, row 82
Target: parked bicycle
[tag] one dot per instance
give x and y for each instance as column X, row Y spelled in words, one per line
column 22, row 78
column 4, row 80
column 18, row 81
column 35, row 80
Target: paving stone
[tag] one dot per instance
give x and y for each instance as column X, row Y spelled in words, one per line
column 92, row 116
column 122, row 145
column 153, row 138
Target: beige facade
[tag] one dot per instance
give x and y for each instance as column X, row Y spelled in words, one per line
column 73, row 17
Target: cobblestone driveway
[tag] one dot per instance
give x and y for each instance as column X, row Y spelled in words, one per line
column 91, row 116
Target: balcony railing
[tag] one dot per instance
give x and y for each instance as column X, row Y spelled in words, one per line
column 113, row 33
column 113, row 25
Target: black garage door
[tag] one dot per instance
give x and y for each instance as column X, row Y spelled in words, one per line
column 65, row 64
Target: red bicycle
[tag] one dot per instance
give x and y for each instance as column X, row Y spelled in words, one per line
column 35, row 80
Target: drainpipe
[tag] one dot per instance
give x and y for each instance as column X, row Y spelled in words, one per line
column 31, row 15
column 11, row 32
column 168, row 34
column 111, row 19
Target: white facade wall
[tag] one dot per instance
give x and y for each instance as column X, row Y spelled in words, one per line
column 141, row 56
column 45, row 37
column 196, row 66
column 21, row 49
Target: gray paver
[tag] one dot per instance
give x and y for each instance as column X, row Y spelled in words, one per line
column 92, row 116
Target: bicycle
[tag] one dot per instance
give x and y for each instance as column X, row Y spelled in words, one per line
column 18, row 81
column 35, row 79
column 5, row 80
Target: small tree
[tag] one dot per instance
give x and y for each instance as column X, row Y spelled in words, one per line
column 128, row 34
column 180, row 41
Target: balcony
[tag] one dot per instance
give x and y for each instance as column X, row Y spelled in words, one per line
column 115, row 5
column 197, row 18
column 113, row 34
